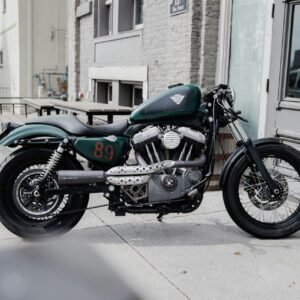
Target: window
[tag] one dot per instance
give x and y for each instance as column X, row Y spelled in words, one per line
column 103, row 92
column 1, row 59
column 130, row 94
column 292, row 80
column 105, row 17
column 247, row 58
column 298, row 80
column 137, row 95
column 139, row 13
column 131, row 14
column 293, row 88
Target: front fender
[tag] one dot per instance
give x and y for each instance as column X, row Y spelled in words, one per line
column 235, row 156
column 31, row 131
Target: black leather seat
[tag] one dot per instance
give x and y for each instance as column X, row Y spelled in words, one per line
column 74, row 126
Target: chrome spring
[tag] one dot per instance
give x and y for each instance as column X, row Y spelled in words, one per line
column 52, row 163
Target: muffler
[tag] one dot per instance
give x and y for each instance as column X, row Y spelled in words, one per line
column 80, row 177
column 124, row 175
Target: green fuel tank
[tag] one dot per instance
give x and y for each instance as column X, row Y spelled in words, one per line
column 180, row 101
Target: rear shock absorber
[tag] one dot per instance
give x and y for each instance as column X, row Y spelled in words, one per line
column 53, row 161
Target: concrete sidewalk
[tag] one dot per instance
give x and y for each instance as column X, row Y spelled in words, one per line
column 202, row 255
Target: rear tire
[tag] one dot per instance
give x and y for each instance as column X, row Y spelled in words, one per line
column 235, row 190
column 26, row 225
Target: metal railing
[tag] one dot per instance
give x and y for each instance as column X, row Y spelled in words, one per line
column 13, row 105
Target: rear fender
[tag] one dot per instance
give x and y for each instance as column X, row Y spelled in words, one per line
column 31, row 131
column 235, row 156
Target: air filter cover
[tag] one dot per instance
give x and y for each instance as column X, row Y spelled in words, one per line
column 171, row 140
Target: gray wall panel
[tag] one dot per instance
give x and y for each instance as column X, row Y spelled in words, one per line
column 118, row 52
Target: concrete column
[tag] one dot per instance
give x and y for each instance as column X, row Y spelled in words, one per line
column 116, row 93
column 115, row 16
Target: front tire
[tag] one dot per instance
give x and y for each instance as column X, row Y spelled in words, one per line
column 248, row 199
column 42, row 218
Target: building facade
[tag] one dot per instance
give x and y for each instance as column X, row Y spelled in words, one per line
column 124, row 51
column 121, row 52
column 33, row 39
column 260, row 57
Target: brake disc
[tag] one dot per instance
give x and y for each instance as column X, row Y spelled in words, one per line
column 260, row 194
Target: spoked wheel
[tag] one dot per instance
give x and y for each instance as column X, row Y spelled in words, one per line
column 24, row 208
column 252, row 205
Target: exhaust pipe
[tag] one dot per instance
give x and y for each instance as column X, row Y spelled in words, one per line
column 89, row 177
column 124, row 175
column 80, row 177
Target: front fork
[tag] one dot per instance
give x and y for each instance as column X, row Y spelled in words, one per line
column 242, row 139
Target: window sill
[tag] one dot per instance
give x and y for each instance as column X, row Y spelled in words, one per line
column 290, row 103
column 118, row 36
column 139, row 26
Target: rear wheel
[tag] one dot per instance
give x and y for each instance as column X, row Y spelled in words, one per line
column 250, row 202
column 24, row 209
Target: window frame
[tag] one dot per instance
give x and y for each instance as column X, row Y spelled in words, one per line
column 135, row 25
column 134, row 87
column 286, row 52
column 109, row 91
column 109, row 4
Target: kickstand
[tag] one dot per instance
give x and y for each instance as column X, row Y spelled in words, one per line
column 160, row 217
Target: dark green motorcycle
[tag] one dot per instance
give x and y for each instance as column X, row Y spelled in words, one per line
column 44, row 189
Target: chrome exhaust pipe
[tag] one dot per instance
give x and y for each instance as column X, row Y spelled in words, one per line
column 124, row 175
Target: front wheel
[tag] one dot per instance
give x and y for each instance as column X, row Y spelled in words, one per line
column 250, row 202
column 24, row 210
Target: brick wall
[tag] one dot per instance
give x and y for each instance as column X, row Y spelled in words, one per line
column 181, row 48
column 210, row 45
column 86, row 51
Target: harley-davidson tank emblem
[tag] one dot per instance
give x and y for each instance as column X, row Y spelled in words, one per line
column 177, row 98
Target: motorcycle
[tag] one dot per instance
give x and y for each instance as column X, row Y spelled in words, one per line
column 44, row 189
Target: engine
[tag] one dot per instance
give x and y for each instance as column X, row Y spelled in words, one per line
column 156, row 144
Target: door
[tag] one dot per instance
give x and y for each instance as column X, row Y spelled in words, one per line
column 283, row 118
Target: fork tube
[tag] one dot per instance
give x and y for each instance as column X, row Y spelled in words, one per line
column 238, row 132
column 240, row 136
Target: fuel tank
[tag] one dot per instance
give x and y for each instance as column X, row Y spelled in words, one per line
column 180, row 101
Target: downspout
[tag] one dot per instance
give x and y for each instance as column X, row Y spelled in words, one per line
column 77, row 52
